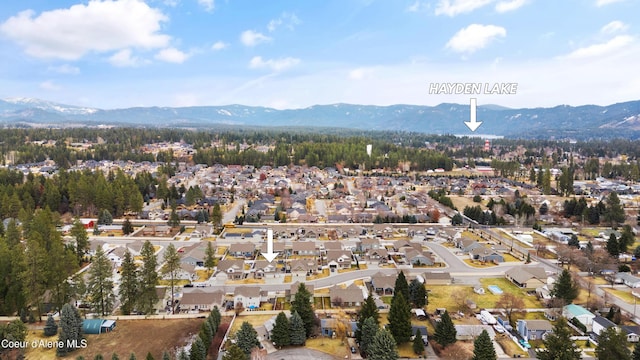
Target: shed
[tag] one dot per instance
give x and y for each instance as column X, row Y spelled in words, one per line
column 97, row 326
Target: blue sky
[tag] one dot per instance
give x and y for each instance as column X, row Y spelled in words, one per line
column 293, row 54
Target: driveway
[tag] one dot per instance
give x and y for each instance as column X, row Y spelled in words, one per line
column 300, row 354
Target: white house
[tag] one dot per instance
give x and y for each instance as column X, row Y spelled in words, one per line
column 247, row 297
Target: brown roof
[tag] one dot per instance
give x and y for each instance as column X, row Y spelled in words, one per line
column 296, row 285
column 333, row 245
column 277, row 247
column 242, row 247
column 351, row 294
column 201, row 296
column 304, row 246
column 383, row 281
column 224, row 265
column 247, row 291
column 336, row 254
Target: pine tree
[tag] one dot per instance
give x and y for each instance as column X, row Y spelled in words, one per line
column 613, row 247
column 79, row 233
column 280, row 334
column 367, row 310
column 182, row 355
column 369, row 330
column 400, row 319
column 445, row 333
column 149, row 356
column 418, row 344
column 614, row 212
column 247, row 337
column 132, row 356
column 612, row 345
column 210, row 257
column 636, row 352
column 128, row 284
column 298, row 332
column 215, row 319
column 234, row 353
column 98, row 357
column 383, row 347
column 148, row 279
column 114, row 356
column 198, row 350
column 171, row 267
column 483, row 347
column 50, row 328
column 70, row 329
column 417, row 294
column 100, row 284
column 302, row 305
column 127, row 227
column 216, row 216
column 402, row 286
column 206, row 334
column 565, row 288
column 166, row 356
column 558, row 344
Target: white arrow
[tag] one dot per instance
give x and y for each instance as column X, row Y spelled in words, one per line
column 473, row 124
column 269, row 255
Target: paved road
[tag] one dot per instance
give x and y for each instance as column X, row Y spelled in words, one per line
column 230, row 215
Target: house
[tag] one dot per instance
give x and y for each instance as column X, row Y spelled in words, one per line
column 201, row 299
column 185, row 272
column 135, row 247
column 380, row 255
column 486, row 254
column 470, row 332
column 367, row 244
column 117, row 255
column 332, row 245
column 294, row 290
column 628, row 279
column 94, row 245
column 466, row 245
column 351, row 296
column 328, row 327
column 416, row 257
column 301, row 268
column 534, row 329
column 421, row 330
column 632, row 333
column 247, row 297
column 234, row 269
column 242, row 250
column 600, row 324
column 338, row 259
column 584, row 316
column 527, row 277
column 436, row 278
column 194, row 254
column 383, row 284
column 305, row 248
column 263, row 268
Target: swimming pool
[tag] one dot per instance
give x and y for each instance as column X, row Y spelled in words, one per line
column 494, row 289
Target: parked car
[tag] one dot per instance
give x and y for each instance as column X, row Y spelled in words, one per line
column 353, row 350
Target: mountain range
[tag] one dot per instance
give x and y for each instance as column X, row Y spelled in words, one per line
column 561, row 122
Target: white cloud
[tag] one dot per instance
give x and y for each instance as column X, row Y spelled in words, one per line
column 49, row 86
column 99, row 26
column 456, row 7
column 360, row 73
column 219, row 45
column 171, row 3
column 125, row 58
column 288, row 20
column 65, row 69
column 475, row 37
column 611, row 46
column 172, row 55
column 418, row 6
column 208, row 5
column 606, row 2
column 253, row 38
column 614, row 27
column 277, row 65
column 510, row 5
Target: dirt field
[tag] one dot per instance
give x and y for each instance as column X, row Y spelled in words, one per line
column 137, row 336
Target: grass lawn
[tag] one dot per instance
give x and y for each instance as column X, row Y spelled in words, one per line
column 479, row 264
column 254, row 320
column 245, row 281
column 335, row 347
column 221, row 250
column 440, row 296
column 470, row 235
column 461, row 201
column 353, row 268
column 622, row 294
column 137, row 336
column 323, row 274
column 288, row 278
column 177, row 282
column 510, row 348
column 203, row 275
column 510, row 258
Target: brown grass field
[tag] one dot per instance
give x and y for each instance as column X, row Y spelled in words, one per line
column 130, row 336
